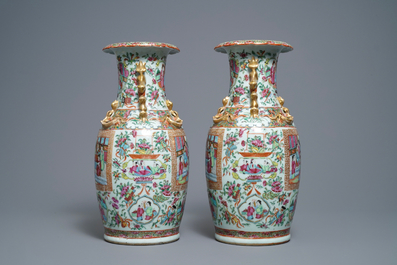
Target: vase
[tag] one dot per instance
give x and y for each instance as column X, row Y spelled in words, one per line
column 253, row 152
column 141, row 152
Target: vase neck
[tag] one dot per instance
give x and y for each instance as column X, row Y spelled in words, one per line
column 154, row 64
column 239, row 91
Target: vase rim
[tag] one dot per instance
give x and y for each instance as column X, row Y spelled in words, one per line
column 110, row 47
column 221, row 47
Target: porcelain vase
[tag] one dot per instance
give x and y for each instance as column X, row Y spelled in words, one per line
column 141, row 152
column 253, row 153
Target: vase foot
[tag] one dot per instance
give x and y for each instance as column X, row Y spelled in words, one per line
column 253, row 242
column 149, row 241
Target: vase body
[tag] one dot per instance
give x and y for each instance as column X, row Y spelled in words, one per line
column 141, row 152
column 253, row 152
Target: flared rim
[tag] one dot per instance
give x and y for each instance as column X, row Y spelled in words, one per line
column 285, row 46
column 173, row 48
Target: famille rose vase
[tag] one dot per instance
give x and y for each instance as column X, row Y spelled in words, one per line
column 253, row 152
column 141, row 153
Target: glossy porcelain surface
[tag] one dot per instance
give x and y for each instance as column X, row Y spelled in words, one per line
column 141, row 152
column 253, row 161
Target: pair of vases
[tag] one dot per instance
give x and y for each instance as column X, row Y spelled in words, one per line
column 252, row 158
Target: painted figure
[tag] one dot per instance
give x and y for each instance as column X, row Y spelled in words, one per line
column 259, row 211
column 213, row 205
column 249, row 212
column 149, row 211
column 169, row 215
column 139, row 213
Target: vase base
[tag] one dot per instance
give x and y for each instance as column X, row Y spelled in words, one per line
column 253, row 242
column 149, row 241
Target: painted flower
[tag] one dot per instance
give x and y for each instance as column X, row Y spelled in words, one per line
column 285, row 202
column 240, row 133
column 115, row 206
column 272, row 138
column 144, row 146
column 134, row 133
column 137, row 226
column 220, row 197
column 154, row 94
column 264, row 92
column 239, row 90
column 130, row 91
column 154, row 185
column 281, row 170
column 230, row 140
column 132, row 145
column 264, row 183
column 154, row 81
column 277, row 189
column 263, row 78
column 224, row 203
column 246, row 77
column 158, row 140
column 234, row 170
column 243, row 143
column 124, row 191
column 167, row 193
column 276, row 183
column 175, row 200
column 257, row 143
column 115, row 200
column 227, row 217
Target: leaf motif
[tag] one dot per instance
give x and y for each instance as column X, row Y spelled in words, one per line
column 124, row 176
column 235, row 175
column 273, row 175
column 125, row 165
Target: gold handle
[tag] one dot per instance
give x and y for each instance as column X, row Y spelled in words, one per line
column 111, row 117
column 174, row 117
column 280, row 117
column 141, row 69
column 253, row 65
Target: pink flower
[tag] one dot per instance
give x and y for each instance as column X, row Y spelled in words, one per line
column 257, row 143
column 175, row 200
column 166, row 193
column 154, row 94
column 246, row 77
column 243, row 143
column 130, row 91
column 160, row 139
column 276, row 189
column 239, row 90
column 234, row 170
column 115, row 205
column 285, row 202
column 231, row 139
column 154, row 81
column 137, row 226
column 154, row 185
column 224, row 203
column 115, row 200
column 240, row 133
column 144, row 146
column 134, row 133
column 264, row 183
column 264, row 92
column 263, row 78
column 132, row 145
column 276, row 183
